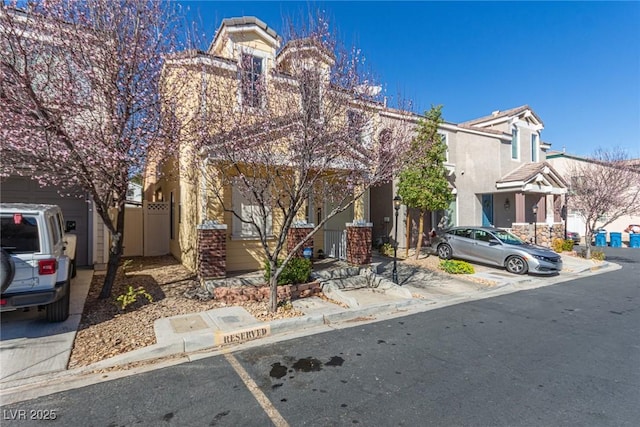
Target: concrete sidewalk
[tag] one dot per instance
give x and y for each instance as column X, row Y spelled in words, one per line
column 222, row 329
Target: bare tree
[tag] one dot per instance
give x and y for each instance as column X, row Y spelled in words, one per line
column 79, row 103
column 310, row 130
column 603, row 189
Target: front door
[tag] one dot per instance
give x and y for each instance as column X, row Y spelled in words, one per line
column 487, row 210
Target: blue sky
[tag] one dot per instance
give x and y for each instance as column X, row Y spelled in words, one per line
column 577, row 64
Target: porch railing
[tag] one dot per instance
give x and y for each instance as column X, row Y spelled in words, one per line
column 335, row 243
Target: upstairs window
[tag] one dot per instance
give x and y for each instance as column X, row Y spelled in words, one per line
column 445, row 141
column 534, row 147
column 310, row 92
column 359, row 129
column 251, row 80
column 515, row 142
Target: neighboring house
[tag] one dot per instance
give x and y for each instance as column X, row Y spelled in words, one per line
column 134, row 193
column 564, row 163
column 245, row 59
column 498, row 172
column 92, row 235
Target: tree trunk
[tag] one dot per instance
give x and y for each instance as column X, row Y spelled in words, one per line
column 420, row 231
column 273, row 287
column 408, row 227
column 115, row 254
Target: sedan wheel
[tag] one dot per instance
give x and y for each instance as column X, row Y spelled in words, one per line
column 444, row 251
column 516, row 265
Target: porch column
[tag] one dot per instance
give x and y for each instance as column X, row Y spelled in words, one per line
column 521, row 208
column 212, row 251
column 549, row 217
column 358, row 205
column 359, row 243
column 296, row 234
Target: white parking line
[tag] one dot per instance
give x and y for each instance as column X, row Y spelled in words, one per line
column 266, row 404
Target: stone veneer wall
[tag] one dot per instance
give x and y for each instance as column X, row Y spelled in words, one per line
column 525, row 232
column 212, row 251
column 359, row 243
column 297, row 233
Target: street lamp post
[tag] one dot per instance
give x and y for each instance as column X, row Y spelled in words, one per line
column 397, row 201
column 534, row 209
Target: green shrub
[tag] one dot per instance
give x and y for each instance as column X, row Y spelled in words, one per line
column 561, row 245
column 297, row 270
column 567, row 246
column 557, row 244
column 131, row 296
column 456, row 267
column 596, row 254
column 386, row 249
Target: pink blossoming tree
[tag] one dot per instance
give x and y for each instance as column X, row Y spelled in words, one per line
column 79, row 102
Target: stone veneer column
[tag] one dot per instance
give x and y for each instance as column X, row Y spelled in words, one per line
column 212, row 251
column 297, row 233
column 359, row 243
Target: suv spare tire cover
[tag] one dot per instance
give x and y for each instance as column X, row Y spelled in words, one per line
column 7, row 269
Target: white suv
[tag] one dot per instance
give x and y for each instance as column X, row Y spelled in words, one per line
column 38, row 259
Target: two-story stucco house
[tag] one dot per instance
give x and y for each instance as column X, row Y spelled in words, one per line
column 247, row 90
column 498, row 172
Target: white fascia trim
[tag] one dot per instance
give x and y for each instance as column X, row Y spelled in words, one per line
column 525, row 125
column 398, row 114
column 285, row 79
column 510, row 184
column 494, row 121
column 454, row 128
column 212, row 62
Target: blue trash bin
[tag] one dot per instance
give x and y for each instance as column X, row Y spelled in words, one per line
column 615, row 239
column 307, row 253
column 634, row 240
column 601, row 239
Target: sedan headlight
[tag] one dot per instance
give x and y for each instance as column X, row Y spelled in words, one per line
column 544, row 258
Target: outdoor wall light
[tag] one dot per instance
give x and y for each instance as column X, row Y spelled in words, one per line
column 507, row 204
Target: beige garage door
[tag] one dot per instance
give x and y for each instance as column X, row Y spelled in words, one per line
column 25, row 190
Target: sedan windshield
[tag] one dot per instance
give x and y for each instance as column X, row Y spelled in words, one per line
column 506, row 237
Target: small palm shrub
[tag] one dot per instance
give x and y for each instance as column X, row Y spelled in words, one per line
column 131, row 296
column 297, row 270
column 454, row 266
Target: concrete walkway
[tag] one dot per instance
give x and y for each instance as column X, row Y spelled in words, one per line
column 30, row 346
column 182, row 337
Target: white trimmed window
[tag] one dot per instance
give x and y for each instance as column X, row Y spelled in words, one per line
column 443, row 137
column 252, row 81
column 249, row 210
column 515, row 143
column 535, row 146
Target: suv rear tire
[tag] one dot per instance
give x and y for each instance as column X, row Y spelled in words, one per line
column 59, row 311
column 7, row 269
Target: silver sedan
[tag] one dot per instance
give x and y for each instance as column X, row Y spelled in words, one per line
column 496, row 247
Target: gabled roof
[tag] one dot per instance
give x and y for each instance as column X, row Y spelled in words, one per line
column 523, row 111
column 539, row 177
column 242, row 24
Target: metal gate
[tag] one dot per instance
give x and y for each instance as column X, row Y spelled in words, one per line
column 335, row 244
